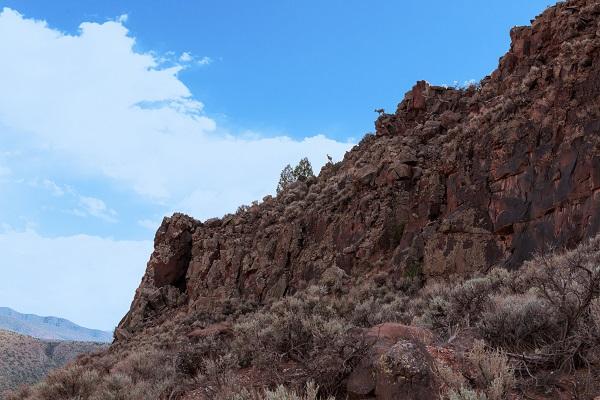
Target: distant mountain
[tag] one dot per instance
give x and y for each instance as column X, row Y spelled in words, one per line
column 26, row 360
column 49, row 328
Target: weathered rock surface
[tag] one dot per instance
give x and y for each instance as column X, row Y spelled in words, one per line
column 454, row 181
column 397, row 365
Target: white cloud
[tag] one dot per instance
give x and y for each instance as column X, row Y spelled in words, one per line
column 185, row 57
column 96, row 208
column 205, row 61
column 49, row 185
column 89, row 280
column 86, row 206
column 92, row 101
column 4, row 171
column 53, row 187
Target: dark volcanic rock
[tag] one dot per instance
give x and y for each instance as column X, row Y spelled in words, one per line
column 397, row 365
column 392, row 369
column 456, row 180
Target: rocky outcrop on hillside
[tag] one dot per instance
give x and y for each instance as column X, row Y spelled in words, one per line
column 455, row 181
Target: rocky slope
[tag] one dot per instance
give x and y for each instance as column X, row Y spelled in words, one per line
column 400, row 272
column 455, row 181
column 49, row 328
column 26, row 360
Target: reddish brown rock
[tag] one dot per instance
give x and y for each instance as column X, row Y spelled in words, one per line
column 220, row 328
column 394, row 331
column 405, row 372
column 456, row 180
column 394, row 368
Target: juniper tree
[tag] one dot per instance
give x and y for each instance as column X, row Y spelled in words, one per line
column 286, row 178
column 303, row 170
column 289, row 175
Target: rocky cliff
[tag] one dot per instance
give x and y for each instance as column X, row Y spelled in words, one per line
column 457, row 180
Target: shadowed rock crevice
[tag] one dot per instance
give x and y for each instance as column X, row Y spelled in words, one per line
column 171, row 258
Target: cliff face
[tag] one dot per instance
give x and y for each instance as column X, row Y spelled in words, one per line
column 454, row 181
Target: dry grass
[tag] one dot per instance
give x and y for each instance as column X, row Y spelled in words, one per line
column 545, row 317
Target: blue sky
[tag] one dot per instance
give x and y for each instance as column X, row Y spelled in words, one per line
column 114, row 114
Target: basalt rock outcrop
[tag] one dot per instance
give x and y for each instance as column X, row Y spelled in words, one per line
column 397, row 365
column 455, row 181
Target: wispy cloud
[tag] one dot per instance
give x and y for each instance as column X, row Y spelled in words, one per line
column 205, row 61
column 91, row 206
column 53, row 187
column 49, row 185
column 185, row 57
column 86, row 206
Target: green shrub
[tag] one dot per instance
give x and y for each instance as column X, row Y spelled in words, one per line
column 289, row 175
column 371, row 311
column 281, row 393
column 435, row 314
column 466, row 394
column 69, row 382
column 569, row 283
column 493, row 372
column 414, row 269
column 519, row 322
column 115, row 387
column 302, row 329
column 468, row 299
column 142, row 366
column 450, row 379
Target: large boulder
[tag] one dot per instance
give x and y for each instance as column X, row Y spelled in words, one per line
column 397, row 365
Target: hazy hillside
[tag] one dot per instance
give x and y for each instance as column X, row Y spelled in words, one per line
column 49, row 328
column 26, row 360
